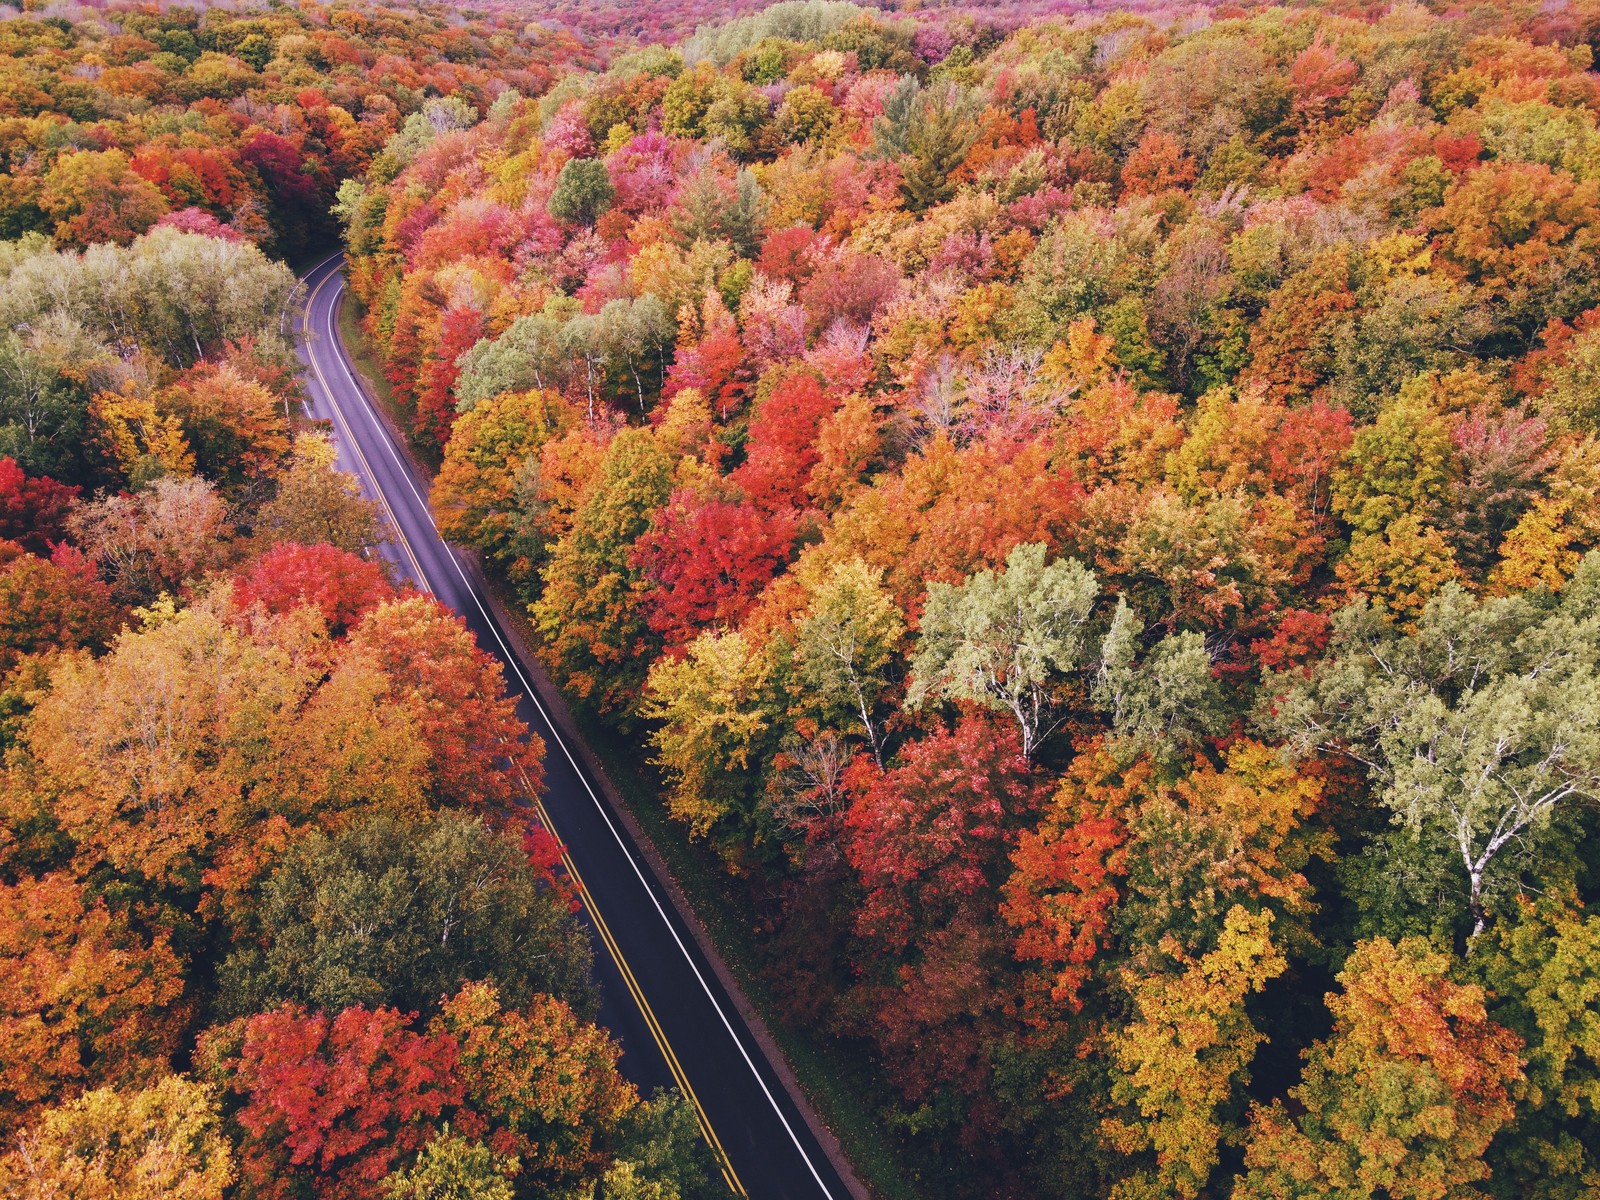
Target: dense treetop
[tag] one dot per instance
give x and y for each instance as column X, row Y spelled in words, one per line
column 1095, row 514
column 274, row 919
column 116, row 118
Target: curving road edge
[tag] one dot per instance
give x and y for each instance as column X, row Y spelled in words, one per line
column 666, row 996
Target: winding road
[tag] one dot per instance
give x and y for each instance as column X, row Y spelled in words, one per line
column 662, row 998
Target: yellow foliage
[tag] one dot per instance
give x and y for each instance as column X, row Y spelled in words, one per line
column 709, row 706
column 1184, row 1055
column 1538, row 550
column 146, row 443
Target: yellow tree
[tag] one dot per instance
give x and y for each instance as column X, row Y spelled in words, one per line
column 1401, row 1100
column 541, row 1085
column 492, row 456
column 1182, row 1060
column 713, row 711
column 162, row 1143
column 146, row 442
column 146, row 757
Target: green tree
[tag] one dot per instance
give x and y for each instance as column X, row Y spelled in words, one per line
column 635, row 337
column 452, row 1168
column 525, row 357
column 940, row 133
column 1480, row 729
column 389, row 912
column 1542, row 973
column 847, row 643
column 1164, row 705
column 316, row 502
column 1005, row 640
column 1401, row 465
column 662, row 1155
column 44, row 416
column 596, row 635
column 583, row 191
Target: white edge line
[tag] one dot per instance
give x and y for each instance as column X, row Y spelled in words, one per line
column 533, row 695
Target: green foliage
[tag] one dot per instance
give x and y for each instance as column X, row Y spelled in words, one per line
column 589, row 611
column 1006, row 640
column 846, row 646
column 1166, row 704
column 1480, row 730
column 790, row 20
column 661, row 1153
column 583, row 192
column 398, row 913
column 937, row 137
column 180, row 295
column 452, row 1168
column 1542, row 972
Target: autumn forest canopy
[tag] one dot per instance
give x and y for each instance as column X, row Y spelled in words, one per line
column 1085, row 516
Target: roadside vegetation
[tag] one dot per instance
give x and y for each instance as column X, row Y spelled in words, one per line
column 1091, row 516
column 1094, row 519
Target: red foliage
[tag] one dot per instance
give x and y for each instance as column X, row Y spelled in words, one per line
column 457, row 695
column 1063, row 893
column 55, row 603
column 930, row 840
column 33, row 510
column 204, row 176
column 330, row 1105
column 1157, row 164
column 459, row 329
column 1320, row 80
column 848, row 286
column 197, row 220
column 786, row 254
column 930, row 837
column 343, row 586
column 715, row 365
column 707, row 560
column 781, row 447
column 545, row 855
column 1459, row 152
column 283, row 168
column 642, row 172
column 1300, row 636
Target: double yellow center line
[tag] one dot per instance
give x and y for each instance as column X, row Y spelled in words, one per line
column 637, row 993
column 584, row 895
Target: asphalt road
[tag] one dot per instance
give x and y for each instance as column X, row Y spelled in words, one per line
column 661, row 999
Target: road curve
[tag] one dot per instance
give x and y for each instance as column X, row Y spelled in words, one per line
column 660, row 997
